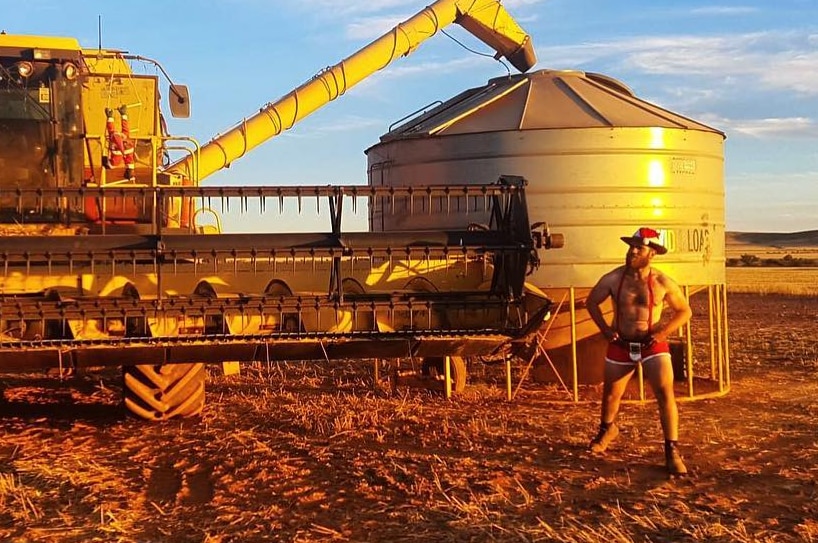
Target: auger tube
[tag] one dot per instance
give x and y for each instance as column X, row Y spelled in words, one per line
column 486, row 19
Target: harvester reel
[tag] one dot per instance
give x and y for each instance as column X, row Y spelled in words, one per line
column 167, row 391
column 361, row 319
column 421, row 318
column 285, row 322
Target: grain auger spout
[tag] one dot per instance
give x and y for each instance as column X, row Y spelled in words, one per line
column 486, row 19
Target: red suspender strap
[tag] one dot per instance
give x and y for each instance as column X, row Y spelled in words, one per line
column 650, row 301
column 618, row 293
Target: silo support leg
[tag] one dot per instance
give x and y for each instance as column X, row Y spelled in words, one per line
column 509, row 394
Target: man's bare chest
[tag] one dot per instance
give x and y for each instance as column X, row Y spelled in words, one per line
column 639, row 293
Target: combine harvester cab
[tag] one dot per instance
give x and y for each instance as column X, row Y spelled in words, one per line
column 105, row 264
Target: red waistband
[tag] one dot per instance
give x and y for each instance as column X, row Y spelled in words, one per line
column 621, row 353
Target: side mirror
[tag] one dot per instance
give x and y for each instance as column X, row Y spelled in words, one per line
column 179, row 99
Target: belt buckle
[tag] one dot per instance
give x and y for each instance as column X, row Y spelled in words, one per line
column 635, row 351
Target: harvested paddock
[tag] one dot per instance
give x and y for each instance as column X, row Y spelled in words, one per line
column 771, row 280
column 302, row 452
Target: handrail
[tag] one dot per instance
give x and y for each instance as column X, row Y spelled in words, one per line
column 423, row 109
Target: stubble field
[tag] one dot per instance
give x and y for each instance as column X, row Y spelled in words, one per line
column 311, row 453
column 767, row 280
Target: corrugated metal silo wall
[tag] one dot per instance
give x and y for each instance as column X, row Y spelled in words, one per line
column 593, row 185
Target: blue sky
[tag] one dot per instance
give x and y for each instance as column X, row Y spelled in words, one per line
column 748, row 68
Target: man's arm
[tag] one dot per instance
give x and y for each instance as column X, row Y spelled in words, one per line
column 681, row 312
column 598, row 294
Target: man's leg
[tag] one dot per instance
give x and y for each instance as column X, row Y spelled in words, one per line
column 616, row 379
column 659, row 373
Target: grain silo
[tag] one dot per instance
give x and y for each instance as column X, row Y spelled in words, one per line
column 600, row 162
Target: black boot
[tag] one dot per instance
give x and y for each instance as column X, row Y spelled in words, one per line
column 673, row 460
column 607, row 433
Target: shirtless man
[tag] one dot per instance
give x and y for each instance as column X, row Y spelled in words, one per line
column 639, row 293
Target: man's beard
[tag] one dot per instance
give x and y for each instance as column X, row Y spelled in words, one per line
column 636, row 262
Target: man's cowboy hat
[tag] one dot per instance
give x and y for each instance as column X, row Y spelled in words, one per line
column 646, row 236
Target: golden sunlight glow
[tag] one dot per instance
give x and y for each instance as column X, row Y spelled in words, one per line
column 15, row 282
column 656, row 173
column 657, row 137
column 658, row 207
column 114, row 284
column 376, row 274
column 243, row 323
column 344, row 322
column 405, row 269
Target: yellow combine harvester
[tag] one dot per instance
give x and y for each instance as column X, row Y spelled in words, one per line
column 104, row 261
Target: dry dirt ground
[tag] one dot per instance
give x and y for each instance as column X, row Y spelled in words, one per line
column 311, row 453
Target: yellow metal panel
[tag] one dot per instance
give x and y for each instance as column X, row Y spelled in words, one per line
column 39, row 42
column 105, row 62
column 140, row 94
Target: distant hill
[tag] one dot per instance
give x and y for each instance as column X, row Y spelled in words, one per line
column 807, row 238
column 772, row 244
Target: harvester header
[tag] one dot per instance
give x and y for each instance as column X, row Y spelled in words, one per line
column 107, row 257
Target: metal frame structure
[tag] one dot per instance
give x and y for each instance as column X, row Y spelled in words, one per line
column 714, row 382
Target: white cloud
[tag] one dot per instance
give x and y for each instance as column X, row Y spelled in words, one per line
column 312, row 128
column 423, row 69
column 793, row 70
column 514, row 4
column 764, row 128
column 353, row 7
column 723, row 10
column 370, row 19
column 369, row 28
column 377, row 6
column 347, row 123
column 772, row 60
column 773, row 128
column 688, row 98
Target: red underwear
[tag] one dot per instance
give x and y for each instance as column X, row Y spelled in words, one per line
column 619, row 352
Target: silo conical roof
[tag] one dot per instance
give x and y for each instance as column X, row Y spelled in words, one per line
column 546, row 99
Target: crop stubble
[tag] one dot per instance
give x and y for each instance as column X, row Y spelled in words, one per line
column 302, row 452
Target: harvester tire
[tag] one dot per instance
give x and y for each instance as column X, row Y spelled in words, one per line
column 163, row 392
column 433, row 367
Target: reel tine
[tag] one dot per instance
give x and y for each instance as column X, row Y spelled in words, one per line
column 392, row 200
